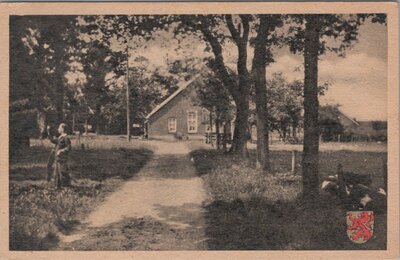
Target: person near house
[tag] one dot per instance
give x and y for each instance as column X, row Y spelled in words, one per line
column 61, row 151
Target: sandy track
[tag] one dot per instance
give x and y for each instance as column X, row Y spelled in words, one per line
column 165, row 193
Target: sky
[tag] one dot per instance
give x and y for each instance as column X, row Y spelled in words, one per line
column 358, row 82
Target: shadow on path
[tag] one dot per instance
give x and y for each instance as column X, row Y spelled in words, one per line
column 165, row 195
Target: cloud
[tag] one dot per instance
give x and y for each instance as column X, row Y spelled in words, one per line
column 288, row 65
column 355, row 68
column 358, row 81
column 359, row 84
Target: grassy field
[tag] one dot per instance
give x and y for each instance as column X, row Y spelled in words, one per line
column 253, row 211
column 38, row 212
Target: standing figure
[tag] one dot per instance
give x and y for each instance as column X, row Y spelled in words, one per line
column 61, row 151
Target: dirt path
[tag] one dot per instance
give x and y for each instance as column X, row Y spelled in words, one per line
column 159, row 209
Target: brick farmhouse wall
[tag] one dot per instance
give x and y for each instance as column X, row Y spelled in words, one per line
column 178, row 107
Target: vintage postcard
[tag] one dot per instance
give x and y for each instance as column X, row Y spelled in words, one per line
column 202, row 130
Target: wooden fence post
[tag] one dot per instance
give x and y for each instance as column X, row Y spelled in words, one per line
column 294, row 164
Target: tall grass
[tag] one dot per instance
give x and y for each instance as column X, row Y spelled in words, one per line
column 38, row 212
column 239, row 181
column 251, row 210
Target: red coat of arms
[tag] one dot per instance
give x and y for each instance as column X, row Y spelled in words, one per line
column 360, row 226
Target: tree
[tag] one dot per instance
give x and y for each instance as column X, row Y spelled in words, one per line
column 263, row 42
column 24, row 82
column 379, row 125
column 213, row 31
column 96, row 67
column 216, row 99
column 148, row 88
column 55, row 38
column 40, row 51
column 310, row 37
column 285, row 103
column 122, row 34
column 216, row 30
column 240, row 36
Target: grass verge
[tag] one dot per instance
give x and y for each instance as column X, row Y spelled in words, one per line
column 251, row 210
column 38, row 212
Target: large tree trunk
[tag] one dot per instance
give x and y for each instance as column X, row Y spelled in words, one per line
column 59, row 83
column 259, row 78
column 241, row 97
column 311, row 127
column 239, row 145
column 240, row 92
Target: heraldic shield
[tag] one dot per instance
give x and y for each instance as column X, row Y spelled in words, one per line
column 360, row 226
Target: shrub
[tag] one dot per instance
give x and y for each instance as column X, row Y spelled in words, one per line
column 179, row 135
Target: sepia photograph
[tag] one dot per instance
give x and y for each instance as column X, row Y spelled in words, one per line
column 209, row 131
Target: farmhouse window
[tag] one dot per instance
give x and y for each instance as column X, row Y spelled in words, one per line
column 171, row 125
column 192, row 122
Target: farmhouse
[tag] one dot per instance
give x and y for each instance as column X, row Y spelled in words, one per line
column 337, row 126
column 180, row 115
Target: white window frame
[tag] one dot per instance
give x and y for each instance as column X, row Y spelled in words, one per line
column 171, row 125
column 191, row 121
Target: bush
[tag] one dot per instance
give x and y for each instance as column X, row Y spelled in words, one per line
column 179, row 135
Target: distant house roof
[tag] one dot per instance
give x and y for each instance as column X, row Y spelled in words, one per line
column 351, row 119
column 174, row 95
column 337, row 114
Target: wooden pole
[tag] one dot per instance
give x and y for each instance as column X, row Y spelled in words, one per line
column 128, row 121
column 294, row 164
column 86, row 127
